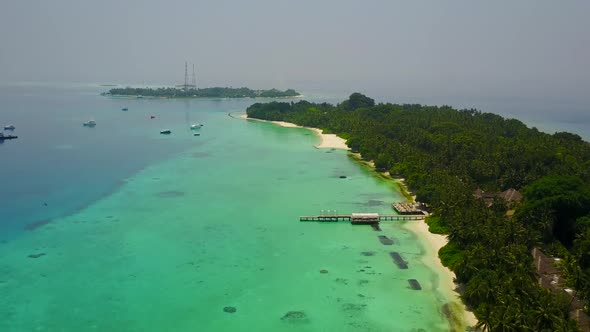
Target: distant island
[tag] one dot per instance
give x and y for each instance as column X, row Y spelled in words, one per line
column 215, row 92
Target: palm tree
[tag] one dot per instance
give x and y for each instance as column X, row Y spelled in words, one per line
column 484, row 317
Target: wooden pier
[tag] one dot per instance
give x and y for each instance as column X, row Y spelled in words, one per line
column 406, row 208
column 326, row 218
column 362, row 218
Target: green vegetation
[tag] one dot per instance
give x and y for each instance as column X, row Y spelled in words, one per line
column 216, row 92
column 445, row 154
column 403, row 190
column 450, row 255
column 435, row 226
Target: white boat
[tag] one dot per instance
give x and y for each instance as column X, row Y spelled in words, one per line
column 90, row 123
column 165, row 131
column 9, row 127
column 195, row 126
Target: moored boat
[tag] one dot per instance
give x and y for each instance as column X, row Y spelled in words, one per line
column 195, row 126
column 9, row 127
column 90, row 123
column 124, row 109
column 3, row 137
column 165, row 131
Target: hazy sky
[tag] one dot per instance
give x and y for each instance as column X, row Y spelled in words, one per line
column 531, row 48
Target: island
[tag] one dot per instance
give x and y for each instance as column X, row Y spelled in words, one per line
column 215, row 92
column 513, row 202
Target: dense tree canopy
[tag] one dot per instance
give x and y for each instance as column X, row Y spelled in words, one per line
column 445, row 154
column 561, row 199
column 357, row 100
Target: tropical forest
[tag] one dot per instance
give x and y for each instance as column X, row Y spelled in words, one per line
column 448, row 158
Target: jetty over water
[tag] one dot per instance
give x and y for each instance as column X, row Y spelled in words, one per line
column 362, row 218
column 406, row 208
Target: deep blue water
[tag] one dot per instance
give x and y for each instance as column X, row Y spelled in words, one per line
column 57, row 166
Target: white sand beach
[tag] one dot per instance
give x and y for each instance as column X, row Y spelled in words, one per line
column 330, row 141
column 447, row 285
column 327, row 141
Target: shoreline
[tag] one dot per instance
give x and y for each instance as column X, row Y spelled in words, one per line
column 447, row 286
column 432, row 242
column 327, row 141
column 455, row 308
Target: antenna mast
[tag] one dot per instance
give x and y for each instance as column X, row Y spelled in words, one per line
column 186, row 86
column 185, row 75
column 194, row 78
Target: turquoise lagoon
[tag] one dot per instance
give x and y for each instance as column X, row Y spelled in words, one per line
column 161, row 233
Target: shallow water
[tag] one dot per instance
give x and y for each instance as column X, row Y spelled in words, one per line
column 187, row 226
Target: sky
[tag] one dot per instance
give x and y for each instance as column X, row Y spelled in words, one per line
column 455, row 48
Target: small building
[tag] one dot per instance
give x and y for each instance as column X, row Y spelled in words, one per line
column 364, row 218
column 550, row 277
column 510, row 196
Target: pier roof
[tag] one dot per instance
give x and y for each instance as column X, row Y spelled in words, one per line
column 365, row 215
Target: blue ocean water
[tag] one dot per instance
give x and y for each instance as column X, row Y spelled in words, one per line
column 57, row 166
column 117, row 227
column 153, row 232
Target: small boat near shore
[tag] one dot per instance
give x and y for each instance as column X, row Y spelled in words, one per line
column 9, row 127
column 196, row 126
column 166, row 132
column 3, row 137
column 90, row 123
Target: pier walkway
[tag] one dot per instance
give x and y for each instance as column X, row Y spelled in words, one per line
column 362, row 218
